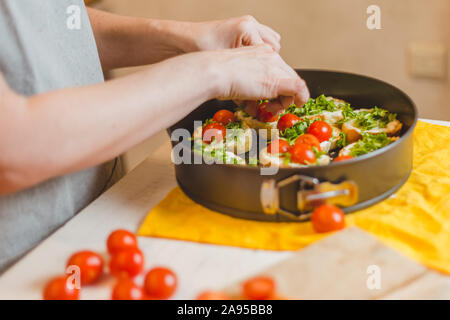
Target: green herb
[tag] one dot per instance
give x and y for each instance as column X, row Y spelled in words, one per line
column 208, row 121
column 318, row 153
column 373, row 118
column 314, row 106
column 234, row 125
column 231, row 125
column 216, row 153
column 342, row 141
column 211, row 151
column 290, row 134
column 369, row 143
column 348, row 114
column 245, row 114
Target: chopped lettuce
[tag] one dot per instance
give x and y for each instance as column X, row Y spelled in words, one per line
column 369, row 143
column 342, row 141
column 290, row 134
column 234, row 125
column 348, row 114
column 318, row 154
column 216, row 153
column 242, row 110
column 314, row 106
column 231, row 125
column 373, row 118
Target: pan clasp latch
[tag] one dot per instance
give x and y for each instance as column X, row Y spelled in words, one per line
column 310, row 194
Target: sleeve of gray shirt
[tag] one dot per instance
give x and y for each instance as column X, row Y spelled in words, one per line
column 47, row 45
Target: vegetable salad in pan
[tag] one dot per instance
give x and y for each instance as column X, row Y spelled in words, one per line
column 324, row 130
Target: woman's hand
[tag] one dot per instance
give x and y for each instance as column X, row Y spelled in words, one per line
column 253, row 73
column 233, row 33
column 257, row 72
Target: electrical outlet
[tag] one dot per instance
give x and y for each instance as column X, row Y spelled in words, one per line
column 427, row 60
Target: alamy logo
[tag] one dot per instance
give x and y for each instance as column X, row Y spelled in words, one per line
column 374, row 20
column 74, row 17
column 73, row 278
column 374, row 277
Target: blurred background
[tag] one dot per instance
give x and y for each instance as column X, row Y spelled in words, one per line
column 409, row 51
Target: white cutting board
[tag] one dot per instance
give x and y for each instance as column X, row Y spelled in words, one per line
column 352, row 264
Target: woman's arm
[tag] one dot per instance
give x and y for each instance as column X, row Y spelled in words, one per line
column 129, row 41
column 63, row 131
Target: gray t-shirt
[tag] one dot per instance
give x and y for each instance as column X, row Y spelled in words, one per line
column 47, row 45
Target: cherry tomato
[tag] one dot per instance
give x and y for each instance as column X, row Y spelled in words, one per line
column 213, row 131
column 283, row 146
column 259, row 288
column 321, row 130
column 60, row 288
column 342, row 158
column 160, row 283
column 120, row 240
column 264, row 115
column 308, row 139
column 127, row 262
column 327, row 218
column 213, row 295
column 224, row 117
column 90, row 264
column 126, row 289
column 287, row 121
column 302, row 153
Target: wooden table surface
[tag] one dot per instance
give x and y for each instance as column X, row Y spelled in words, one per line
column 200, row 266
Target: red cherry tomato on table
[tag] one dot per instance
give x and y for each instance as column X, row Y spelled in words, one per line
column 302, row 153
column 120, row 240
column 213, row 295
column 127, row 262
column 126, row 289
column 327, row 218
column 160, row 283
column 90, row 264
column 287, row 121
column 342, row 158
column 321, row 130
column 224, row 117
column 60, row 288
column 213, row 131
column 259, row 288
column 308, row 139
column 283, row 146
column 264, row 115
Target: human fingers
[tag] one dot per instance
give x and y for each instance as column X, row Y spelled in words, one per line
column 286, row 101
column 270, row 37
column 295, row 88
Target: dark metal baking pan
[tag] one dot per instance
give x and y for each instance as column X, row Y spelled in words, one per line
column 241, row 191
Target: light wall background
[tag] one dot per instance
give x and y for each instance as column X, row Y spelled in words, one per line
column 330, row 34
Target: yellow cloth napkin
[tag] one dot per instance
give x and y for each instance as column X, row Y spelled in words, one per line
column 416, row 220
